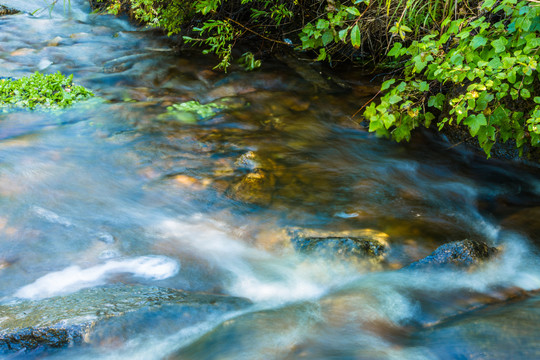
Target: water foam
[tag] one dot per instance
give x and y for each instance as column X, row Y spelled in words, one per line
column 74, row 278
column 253, row 273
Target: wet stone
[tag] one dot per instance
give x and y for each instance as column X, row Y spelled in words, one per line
column 55, row 41
column 363, row 243
column 252, row 161
column 68, row 320
column 4, row 10
column 464, row 253
column 254, row 188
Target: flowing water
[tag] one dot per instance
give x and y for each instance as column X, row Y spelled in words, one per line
column 115, row 190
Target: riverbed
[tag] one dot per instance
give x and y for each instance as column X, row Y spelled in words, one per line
column 120, row 190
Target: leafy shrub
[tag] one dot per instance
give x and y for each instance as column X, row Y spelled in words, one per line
column 39, row 90
column 480, row 72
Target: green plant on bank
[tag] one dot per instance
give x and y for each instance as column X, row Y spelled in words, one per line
column 209, row 23
column 479, row 72
column 39, row 90
column 330, row 29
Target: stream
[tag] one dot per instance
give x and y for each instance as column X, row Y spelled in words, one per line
column 118, row 193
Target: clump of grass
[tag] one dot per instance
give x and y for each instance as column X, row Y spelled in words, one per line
column 41, row 91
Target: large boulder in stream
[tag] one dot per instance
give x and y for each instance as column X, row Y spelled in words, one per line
column 69, row 320
column 464, row 253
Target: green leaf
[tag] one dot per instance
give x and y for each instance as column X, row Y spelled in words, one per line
column 342, row 34
column 478, row 41
column 393, row 99
column 327, row 38
column 423, row 86
column 395, row 51
column 371, row 111
column 356, row 37
column 512, row 76
column 352, row 10
column 525, row 93
column 457, row 59
column 499, row 45
column 428, row 117
column 474, row 122
column 388, row 120
column 385, row 85
column 436, row 101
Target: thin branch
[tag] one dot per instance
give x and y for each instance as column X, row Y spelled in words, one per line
column 256, row 33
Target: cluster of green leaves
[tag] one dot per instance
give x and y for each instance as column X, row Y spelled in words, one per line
column 479, row 72
column 211, row 23
column 191, row 111
column 374, row 24
column 168, row 15
column 329, row 28
column 39, row 90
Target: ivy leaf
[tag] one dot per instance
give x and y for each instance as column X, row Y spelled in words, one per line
column 395, row 51
column 388, row 120
column 423, row 86
column 437, row 101
column 393, row 99
column 327, row 38
column 499, row 45
column 474, row 122
column 371, row 111
column 478, row 41
column 355, row 36
column 401, row 132
column 385, row 85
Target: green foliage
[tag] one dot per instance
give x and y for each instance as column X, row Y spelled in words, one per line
column 191, row 111
column 43, row 91
column 222, row 34
column 374, row 24
column 215, row 25
column 479, row 72
column 248, row 61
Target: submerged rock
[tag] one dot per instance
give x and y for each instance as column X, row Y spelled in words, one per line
column 258, row 185
column 255, row 188
column 253, row 161
column 68, row 320
column 462, row 253
column 364, row 243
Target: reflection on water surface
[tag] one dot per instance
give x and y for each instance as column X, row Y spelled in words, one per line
column 117, row 190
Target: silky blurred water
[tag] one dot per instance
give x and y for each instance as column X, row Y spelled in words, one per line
column 115, row 190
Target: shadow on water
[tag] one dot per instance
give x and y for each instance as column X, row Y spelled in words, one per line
column 120, row 191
